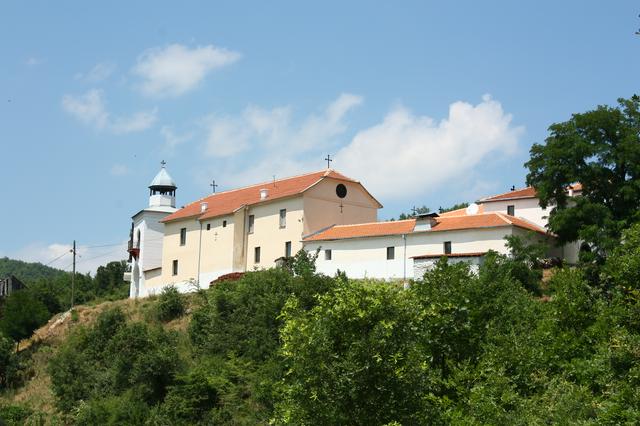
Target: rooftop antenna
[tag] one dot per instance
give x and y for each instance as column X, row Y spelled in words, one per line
column 328, row 160
column 274, row 181
column 414, row 211
column 213, row 185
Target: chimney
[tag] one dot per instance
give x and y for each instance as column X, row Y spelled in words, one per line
column 424, row 222
column 204, row 206
column 264, row 193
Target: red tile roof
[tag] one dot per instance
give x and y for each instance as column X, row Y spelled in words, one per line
column 461, row 212
column 528, row 192
column 227, row 202
column 446, row 223
column 437, row 256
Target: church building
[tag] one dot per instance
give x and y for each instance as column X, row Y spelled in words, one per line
column 254, row 227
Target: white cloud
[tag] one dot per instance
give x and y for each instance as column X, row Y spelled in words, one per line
column 407, row 154
column 402, row 156
column 177, row 69
column 273, row 129
column 88, row 258
column 101, row 71
column 32, row 61
column 90, row 108
column 172, row 139
column 119, row 170
column 137, row 122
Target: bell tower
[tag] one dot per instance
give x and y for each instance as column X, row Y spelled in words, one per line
column 147, row 233
column 162, row 191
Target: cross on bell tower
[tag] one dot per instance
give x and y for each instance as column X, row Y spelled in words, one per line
column 213, row 185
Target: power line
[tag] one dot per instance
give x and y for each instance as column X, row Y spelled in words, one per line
column 56, row 258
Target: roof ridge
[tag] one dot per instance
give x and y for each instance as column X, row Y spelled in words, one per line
column 251, row 186
column 488, row 197
column 375, row 223
column 503, row 217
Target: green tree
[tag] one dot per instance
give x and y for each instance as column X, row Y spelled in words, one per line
column 22, row 314
column 457, row 206
column 601, row 150
column 109, row 280
column 415, row 211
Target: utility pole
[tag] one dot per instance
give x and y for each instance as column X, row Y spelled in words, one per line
column 73, row 273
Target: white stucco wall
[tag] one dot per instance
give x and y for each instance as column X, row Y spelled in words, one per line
column 366, row 257
column 526, row 208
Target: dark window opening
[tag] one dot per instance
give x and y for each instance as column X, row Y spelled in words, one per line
column 287, row 249
column 327, row 254
column 224, row 223
column 251, row 223
column 447, row 247
column 175, row 267
column 391, row 253
column 183, row 236
column 256, row 255
column 283, row 218
column 208, row 226
column 511, row 210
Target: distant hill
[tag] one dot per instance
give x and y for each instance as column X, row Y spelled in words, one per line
column 25, row 271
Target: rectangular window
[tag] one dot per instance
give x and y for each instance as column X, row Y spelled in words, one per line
column 256, row 255
column 447, row 247
column 287, row 249
column 391, row 253
column 183, row 236
column 224, row 223
column 283, row 218
column 327, row 254
column 175, row 267
column 208, row 226
column 251, row 221
column 511, row 210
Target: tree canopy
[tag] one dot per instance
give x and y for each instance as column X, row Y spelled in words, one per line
column 601, row 150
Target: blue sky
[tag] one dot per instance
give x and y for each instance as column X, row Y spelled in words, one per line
column 425, row 102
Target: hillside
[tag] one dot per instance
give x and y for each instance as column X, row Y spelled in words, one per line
column 27, row 272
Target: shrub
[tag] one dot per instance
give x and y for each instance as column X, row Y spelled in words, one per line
column 14, row 415
column 22, row 314
column 8, row 362
column 170, row 305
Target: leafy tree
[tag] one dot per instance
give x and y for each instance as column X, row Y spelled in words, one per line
column 457, row 206
column 26, row 271
column 8, row 361
column 109, row 280
column 354, row 359
column 623, row 266
column 601, row 150
column 170, row 305
column 416, row 211
column 22, row 314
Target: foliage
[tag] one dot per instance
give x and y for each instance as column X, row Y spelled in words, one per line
column 109, row 281
column 623, row 266
column 457, row 206
column 525, row 260
column 171, row 304
column 22, row 314
column 8, row 362
column 27, row 272
column 14, row 414
column 112, row 357
column 601, row 150
column 415, row 211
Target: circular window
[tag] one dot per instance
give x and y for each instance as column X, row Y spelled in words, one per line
column 341, row 190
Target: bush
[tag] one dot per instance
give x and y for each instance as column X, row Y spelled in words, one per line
column 8, row 362
column 170, row 305
column 22, row 314
column 14, row 415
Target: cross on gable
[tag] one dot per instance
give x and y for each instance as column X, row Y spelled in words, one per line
column 328, row 160
column 213, row 185
column 163, row 163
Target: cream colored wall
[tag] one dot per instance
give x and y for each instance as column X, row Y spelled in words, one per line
column 217, row 248
column 186, row 255
column 322, row 206
column 366, row 257
column 526, row 208
column 269, row 236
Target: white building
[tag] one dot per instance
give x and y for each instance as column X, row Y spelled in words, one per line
column 405, row 249
column 147, row 233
